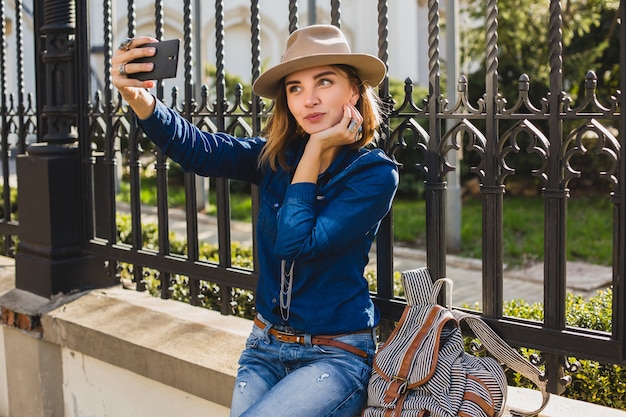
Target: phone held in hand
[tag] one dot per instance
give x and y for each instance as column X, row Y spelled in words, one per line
column 165, row 61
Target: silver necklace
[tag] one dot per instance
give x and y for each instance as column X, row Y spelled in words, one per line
column 286, row 281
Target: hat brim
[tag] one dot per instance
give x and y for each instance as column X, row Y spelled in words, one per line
column 370, row 69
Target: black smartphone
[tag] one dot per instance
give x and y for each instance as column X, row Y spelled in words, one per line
column 165, row 61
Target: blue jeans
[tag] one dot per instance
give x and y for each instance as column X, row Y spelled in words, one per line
column 278, row 379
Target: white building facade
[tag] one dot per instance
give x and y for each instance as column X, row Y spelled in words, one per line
column 408, row 31
column 407, row 37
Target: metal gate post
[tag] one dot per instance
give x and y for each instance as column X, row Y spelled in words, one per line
column 50, row 257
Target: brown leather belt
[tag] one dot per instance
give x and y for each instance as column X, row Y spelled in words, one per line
column 315, row 340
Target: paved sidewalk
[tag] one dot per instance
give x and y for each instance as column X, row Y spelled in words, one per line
column 526, row 284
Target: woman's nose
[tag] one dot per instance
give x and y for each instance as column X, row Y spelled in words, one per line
column 311, row 98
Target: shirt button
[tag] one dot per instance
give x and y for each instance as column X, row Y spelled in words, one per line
column 273, row 301
column 276, row 205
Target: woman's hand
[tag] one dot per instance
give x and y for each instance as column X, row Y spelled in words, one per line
column 323, row 146
column 132, row 90
column 346, row 132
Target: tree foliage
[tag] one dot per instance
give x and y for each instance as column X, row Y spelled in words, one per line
column 590, row 41
column 529, row 42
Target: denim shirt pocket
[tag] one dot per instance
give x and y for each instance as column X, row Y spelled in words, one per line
column 271, row 200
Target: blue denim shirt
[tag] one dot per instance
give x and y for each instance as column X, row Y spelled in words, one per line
column 324, row 229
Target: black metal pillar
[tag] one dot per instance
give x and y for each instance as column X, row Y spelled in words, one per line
column 50, row 257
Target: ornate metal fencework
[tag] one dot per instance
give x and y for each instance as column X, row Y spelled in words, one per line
column 18, row 112
column 491, row 130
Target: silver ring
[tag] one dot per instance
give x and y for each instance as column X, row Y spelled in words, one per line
column 122, row 70
column 125, row 45
column 358, row 133
column 351, row 125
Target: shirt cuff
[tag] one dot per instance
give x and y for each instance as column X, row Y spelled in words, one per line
column 160, row 115
column 300, row 191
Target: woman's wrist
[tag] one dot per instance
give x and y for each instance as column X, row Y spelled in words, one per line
column 142, row 104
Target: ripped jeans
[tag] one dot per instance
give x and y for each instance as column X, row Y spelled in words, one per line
column 277, row 379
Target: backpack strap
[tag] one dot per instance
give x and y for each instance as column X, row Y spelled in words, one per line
column 399, row 382
column 507, row 355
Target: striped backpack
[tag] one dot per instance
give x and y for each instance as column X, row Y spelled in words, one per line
column 422, row 370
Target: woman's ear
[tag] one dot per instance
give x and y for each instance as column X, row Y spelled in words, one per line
column 354, row 98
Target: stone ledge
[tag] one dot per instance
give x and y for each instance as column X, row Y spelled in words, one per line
column 526, row 399
column 23, row 310
column 189, row 348
column 196, row 350
column 192, row 349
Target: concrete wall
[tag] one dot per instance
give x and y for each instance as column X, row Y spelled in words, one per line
column 96, row 388
column 116, row 352
column 4, row 389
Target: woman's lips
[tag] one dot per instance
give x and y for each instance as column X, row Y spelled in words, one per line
column 314, row 117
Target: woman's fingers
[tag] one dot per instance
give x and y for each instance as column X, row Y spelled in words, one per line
column 121, row 66
column 354, row 126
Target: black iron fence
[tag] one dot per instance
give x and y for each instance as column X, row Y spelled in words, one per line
column 87, row 140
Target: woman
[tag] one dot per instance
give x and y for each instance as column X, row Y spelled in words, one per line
column 323, row 196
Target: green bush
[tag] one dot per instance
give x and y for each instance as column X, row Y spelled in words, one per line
column 13, row 204
column 209, row 294
column 10, row 247
column 594, row 382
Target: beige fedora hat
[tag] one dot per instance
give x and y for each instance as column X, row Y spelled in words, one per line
column 313, row 46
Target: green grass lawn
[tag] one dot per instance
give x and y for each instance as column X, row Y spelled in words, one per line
column 589, row 228
column 589, row 224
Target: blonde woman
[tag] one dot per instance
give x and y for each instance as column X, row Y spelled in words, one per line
column 323, row 196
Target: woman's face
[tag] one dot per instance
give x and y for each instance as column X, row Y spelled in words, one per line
column 316, row 96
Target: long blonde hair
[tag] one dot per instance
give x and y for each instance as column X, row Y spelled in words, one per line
column 282, row 129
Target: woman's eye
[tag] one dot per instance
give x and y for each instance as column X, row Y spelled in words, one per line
column 293, row 89
column 325, row 81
